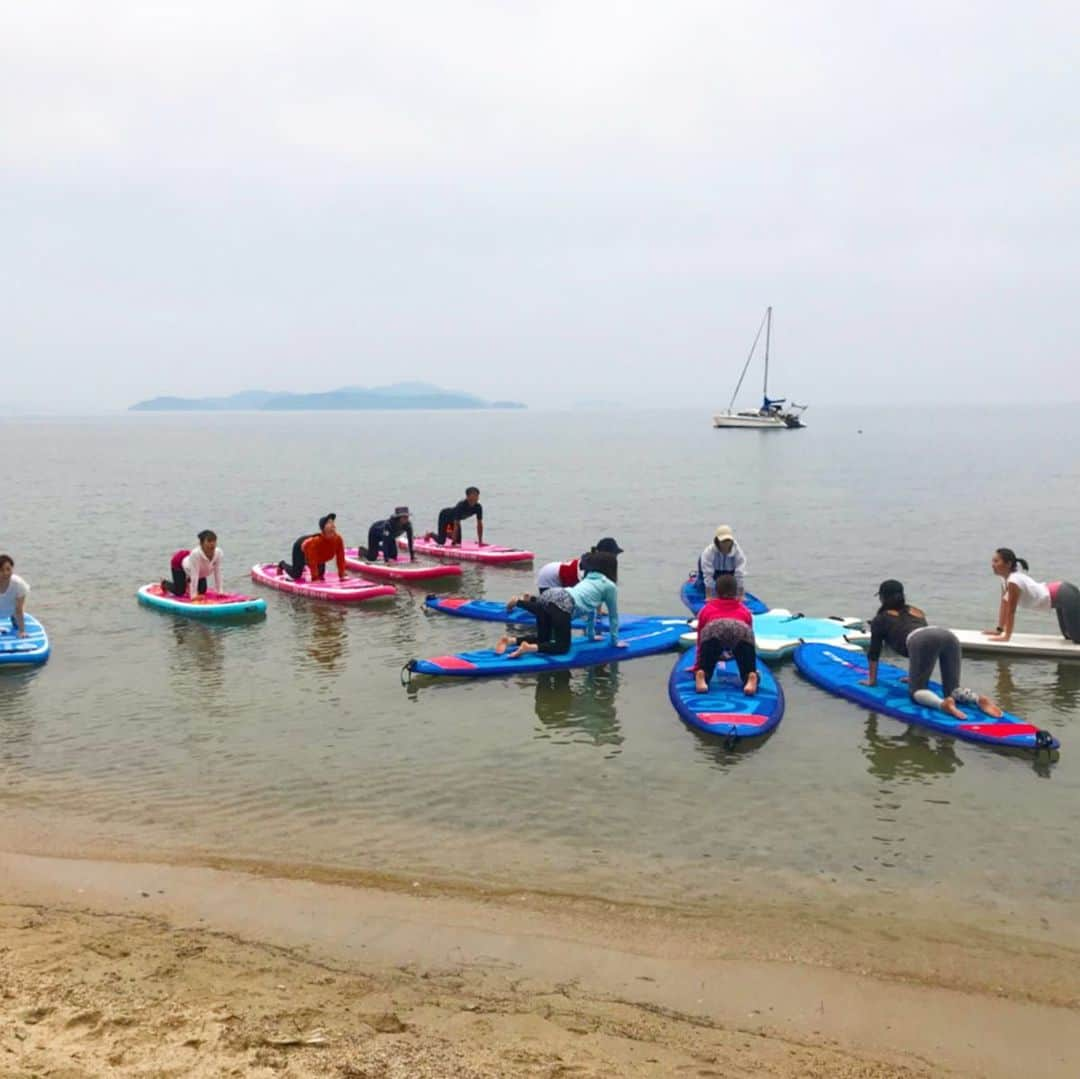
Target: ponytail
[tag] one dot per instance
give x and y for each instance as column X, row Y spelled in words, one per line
column 1007, row 554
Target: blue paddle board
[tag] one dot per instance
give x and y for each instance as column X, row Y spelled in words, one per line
column 29, row 651
column 486, row 610
column 840, row 672
column 644, row 638
column 693, row 595
column 725, row 710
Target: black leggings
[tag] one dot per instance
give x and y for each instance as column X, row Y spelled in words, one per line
column 296, row 570
column 180, row 583
column 1067, row 609
column 379, row 539
column 712, row 651
column 552, row 627
column 447, row 524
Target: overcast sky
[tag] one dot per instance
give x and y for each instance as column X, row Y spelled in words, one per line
column 545, row 201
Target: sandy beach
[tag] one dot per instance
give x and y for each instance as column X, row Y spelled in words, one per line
column 134, row 968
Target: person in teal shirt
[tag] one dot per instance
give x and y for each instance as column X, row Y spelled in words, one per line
column 556, row 609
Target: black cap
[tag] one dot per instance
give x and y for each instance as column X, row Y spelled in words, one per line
column 609, row 545
column 323, row 520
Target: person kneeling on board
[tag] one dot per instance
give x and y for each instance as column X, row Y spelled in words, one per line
column 557, row 608
column 191, row 568
column 904, row 628
column 448, row 529
column 725, row 626
column 1020, row 590
column 722, row 558
column 566, row 574
column 382, row 536
column 13, row 593
column 315, row 550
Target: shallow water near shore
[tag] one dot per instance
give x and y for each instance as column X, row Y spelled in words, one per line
column 292, row 739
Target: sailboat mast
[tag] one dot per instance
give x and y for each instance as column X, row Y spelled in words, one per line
column 768, row 334
column 746, row 366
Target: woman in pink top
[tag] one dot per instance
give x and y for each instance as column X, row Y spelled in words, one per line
column 1020, row 590
column 725, row 625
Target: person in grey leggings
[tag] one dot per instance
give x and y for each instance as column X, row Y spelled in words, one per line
column 904, row 628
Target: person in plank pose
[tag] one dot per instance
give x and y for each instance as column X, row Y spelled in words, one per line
column 448, row 528
column 1018, row 589
column 192, row 568
column 314, row 550
column 904, row 628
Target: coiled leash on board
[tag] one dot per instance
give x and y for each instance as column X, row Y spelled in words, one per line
column 1044, row 740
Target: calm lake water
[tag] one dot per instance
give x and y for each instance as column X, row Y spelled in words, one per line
column 293, row 740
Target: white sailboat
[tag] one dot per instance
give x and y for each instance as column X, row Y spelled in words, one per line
column 772, row 415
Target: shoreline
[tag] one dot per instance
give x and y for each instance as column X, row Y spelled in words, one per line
column 506, row 982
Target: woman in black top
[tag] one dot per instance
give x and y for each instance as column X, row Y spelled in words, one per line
column 904, row 629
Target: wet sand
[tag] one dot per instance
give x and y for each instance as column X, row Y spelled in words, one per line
column 144, row 968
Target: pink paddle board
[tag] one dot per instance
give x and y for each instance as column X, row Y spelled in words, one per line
column 468, row 552
column 351, row 590
column 403, row 570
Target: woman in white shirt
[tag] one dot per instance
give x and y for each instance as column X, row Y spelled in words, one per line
column 191, row 569
column 13, row 593
column 1018, row 589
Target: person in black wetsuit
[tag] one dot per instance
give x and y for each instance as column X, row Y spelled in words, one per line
column 382, row 536
column 449, row 526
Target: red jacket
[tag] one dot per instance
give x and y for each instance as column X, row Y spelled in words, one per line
column 568, row 573
column 319, row 549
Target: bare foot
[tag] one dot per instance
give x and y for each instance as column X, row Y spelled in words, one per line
column 988, row 707
column 751, row 684
column 700, row 685
column 523, row 649
column 502, row 645
column 949, row 705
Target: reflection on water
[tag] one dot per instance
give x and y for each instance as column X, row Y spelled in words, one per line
column 16, row 714
column 908, row 755
column 899, row 759
column 322, row 635
column 199, row 656
column 580, row 708
column 1026, row 685
column 716, row 749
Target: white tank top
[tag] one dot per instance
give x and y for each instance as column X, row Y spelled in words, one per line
column 1034, row 595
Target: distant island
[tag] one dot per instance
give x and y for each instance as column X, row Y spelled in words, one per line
column 401, row 395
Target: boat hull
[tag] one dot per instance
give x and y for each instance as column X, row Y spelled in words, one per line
column 752, row 420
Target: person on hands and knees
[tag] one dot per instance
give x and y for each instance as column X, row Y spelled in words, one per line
column 556, row 609
column 192, row 568
column 315, row 550
column 725, row 627
column 904, row 628
column 13, row 593
column 722, row 558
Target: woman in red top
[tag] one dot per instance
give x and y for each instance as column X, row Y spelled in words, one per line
column 314, row 550
column 725, row 625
